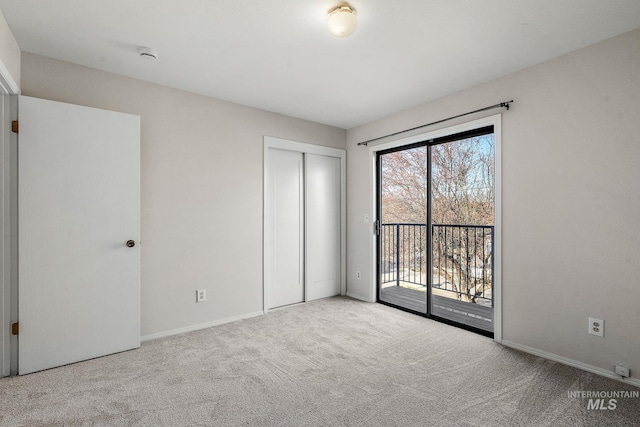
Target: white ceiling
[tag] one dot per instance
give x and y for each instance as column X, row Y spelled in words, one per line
column 277, row 54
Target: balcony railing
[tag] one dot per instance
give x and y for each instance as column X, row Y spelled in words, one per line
column 462, row 262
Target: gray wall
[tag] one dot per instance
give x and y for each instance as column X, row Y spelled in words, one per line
column 570, row 200
column 201, row 188
column 571, row 244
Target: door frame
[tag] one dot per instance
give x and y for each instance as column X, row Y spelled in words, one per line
column 378, row 221
column 495, row 121
column 8, row 225
column 302, row 147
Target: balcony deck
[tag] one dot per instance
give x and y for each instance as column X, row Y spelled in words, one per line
column 475, row 315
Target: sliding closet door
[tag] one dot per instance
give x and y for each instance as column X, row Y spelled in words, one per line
column 303, row 222
column 285, row 228
column 323, row 271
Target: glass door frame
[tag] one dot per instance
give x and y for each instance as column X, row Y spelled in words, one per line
column 378, row 216
column 468, row 130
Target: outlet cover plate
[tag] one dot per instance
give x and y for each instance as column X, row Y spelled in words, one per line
column 622, row 371
column 596, row 327
column 201, row 295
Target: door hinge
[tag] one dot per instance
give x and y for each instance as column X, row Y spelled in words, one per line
column 14, row 126
column 376, row 227
column 15, row 328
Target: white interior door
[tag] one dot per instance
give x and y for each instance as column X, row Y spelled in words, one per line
column 79, row 203
column 285, row 228
column 322, row 236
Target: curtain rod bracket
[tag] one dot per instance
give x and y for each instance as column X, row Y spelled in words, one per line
column 504, row 104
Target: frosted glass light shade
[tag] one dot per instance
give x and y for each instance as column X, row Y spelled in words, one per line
column 342, row 21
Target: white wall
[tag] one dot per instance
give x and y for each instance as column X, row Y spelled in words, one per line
column 201, row 188
column 571, row 243
column 9, row 58
column 570, row 201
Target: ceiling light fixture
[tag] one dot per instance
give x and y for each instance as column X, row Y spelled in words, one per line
column 342, row 21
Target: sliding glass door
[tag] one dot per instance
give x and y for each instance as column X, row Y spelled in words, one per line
column 435, row 236
column 403, row 237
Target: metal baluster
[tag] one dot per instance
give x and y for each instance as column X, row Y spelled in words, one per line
column 397, row 254
column 440, row 258
column 460, row 259
column 466, row 256
column 484, row 262
column 492, row 275
column 475, row 262
column 422, row 255
column 411, row 253
column 445, row 259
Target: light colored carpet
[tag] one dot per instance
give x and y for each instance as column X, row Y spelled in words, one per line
column 333, row 362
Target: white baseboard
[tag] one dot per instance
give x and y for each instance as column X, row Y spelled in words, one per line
column 570, row 362
column 199, row 326
column 358, row 297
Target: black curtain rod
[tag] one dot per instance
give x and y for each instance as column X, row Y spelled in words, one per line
column 504, row 104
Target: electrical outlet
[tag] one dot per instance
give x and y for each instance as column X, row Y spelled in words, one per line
column 596, row 327
column 366, row 217
column 358, row 275
column 201, row 295
column 622, row 371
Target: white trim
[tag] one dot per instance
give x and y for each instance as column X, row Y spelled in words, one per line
column 302, row 147
column 5, row 232
column 497, row 229
column 358, row 297
column 372, row 240
column 495, row 121
column 8, row 85
column 199, row 326
column 284, row 144
column 571, row 362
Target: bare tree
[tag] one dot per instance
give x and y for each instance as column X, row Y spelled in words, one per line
column 462, row 191
column 404, row 186
column 462, row 182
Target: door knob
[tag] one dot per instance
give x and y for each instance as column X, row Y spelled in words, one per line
column 130, row 243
